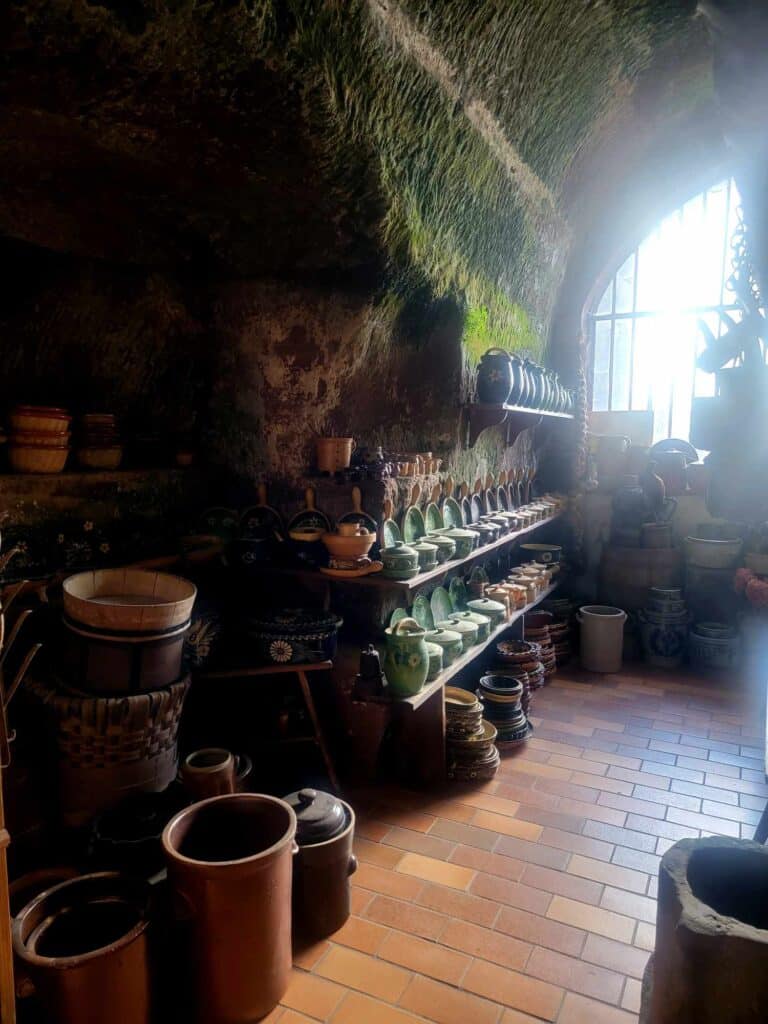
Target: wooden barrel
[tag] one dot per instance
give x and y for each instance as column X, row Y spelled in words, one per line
column 626, row 574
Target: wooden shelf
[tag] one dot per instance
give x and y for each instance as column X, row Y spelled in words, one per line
column 474, row 652
column 433, row 576
column 479, row 416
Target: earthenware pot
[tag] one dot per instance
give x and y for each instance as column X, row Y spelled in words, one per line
column 446, row 546
column 406, row 662
column 465, row 541
column 482, row 622
column 496, row 612
column 466, row 629
column 450, row 641
column 664, row 640
column 208, row 772
column 435, row 652
column 519, row 385
column 427, row 555
column 400, row 562
column 495, row 377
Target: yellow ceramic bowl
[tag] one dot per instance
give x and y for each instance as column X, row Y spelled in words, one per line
column 348, row 547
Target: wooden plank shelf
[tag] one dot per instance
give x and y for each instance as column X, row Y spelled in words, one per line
column 433, row 576
column 469, row 656
column 479, row 416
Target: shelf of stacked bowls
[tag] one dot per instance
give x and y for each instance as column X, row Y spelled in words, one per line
column 519, row 660
column 714, row 646
column 501, row 698
column 99, row 445
column 39, row 439
column 536, row 629
column 470, row 739
column 664, row 627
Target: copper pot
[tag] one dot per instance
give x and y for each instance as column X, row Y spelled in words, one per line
column 230, row 865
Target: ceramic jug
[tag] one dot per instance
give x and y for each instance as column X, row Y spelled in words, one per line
column 406, row 662
column 519, row 387
column 495, row 377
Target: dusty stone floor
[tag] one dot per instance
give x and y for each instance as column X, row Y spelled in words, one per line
column 532, row 897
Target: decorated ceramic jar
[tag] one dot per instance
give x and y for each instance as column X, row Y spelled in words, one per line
column 482, row 622
column 495, row 611
column 435, row 652
column 426, row 553
column 400, row 562
column 495, row 377
column 465, row 540
column 406, row 662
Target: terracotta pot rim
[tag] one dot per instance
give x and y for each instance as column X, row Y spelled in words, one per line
column 68, row 962
column 288, row 836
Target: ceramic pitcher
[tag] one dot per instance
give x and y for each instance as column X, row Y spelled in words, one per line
column 406, row 662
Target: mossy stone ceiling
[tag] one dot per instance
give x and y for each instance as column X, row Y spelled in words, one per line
column 396, row 143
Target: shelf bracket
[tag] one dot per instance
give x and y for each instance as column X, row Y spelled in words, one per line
column 481, row 417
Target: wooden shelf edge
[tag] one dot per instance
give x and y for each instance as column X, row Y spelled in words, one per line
column 479, row 417
column 430, row 689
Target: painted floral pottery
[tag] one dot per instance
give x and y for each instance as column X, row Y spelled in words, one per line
column 401, row 562
column 495, row 611
column 464, row 539
column 294, row 636
column 664, row 640
column 482, row 622
column 406, row 662
column 450, row 641
column 426, row 554
column 466, row 629
column 543, row 553
column 446, row 546
column 495, row 377
column 349, row 544
column 435, row 653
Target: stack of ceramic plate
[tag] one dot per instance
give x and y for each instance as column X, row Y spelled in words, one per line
column 560, row 635
column 470, row 749
column 519, row 660
column 536, row 629
column 501, row 697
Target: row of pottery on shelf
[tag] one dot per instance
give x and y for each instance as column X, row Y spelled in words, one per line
column 505, row 379
column 470, row 748
column 664, row 627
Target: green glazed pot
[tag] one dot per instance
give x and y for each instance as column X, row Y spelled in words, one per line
column 427, row 555
column 495, row 611
column 406, row 661
column 467, row 630
column 400, row 562
column 465, row 541
column 450, row 641
column 435, row 652
column 446, row 548
column 482, row 622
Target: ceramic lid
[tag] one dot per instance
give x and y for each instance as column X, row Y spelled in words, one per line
column 422, row 612
column 398, row 548
column 425, row 547
column 319, row 816
column 413, row 524
column 483, row 604
column 457, row 591
column 433, row 518
column 459, row 625
column 452, row 513
column 444, row 637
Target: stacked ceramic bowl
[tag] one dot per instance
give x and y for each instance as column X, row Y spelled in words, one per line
column 39, row 440
column 519, row 660
column 501, row 697
column 470, row 748
column 536, row 629
column 560, row 635
column 714, row 645
column 664, row 627
column 99, row 444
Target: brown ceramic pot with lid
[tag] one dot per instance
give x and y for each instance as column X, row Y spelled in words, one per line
column 325, row 832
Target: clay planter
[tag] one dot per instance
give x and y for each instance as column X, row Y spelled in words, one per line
column 84, row 943
column 322, row 868
column 334, row 453
column 230, row 867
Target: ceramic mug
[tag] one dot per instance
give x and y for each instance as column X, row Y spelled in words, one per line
column 208, row 772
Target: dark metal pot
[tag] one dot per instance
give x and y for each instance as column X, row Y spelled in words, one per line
column 325, row 834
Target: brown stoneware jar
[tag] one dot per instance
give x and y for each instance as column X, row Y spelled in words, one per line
column 208, row 772
column 230, row 865
column 325, row 833
column 84, row 944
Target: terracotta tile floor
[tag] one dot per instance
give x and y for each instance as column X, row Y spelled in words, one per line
column 532, row 897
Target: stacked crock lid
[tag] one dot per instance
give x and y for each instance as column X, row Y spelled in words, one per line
column 471, row 753
column 536, row 629
column 99, row 445
column 501, row 697
column 39, row 440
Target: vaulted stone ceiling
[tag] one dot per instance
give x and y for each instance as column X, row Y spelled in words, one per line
column 392, row 143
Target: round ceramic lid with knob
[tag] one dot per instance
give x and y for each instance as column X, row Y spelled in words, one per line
column 319, row 816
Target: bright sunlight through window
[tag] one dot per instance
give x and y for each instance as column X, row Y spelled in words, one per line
column 645, row 335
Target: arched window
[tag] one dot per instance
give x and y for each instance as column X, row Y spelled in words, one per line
column 645, row 332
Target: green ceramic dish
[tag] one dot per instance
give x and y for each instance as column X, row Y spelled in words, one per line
column 433, row 519
column 390, row 533
column 466, row 629
column 450, row 642
column 446, row 548
column 400, row 562
column 482, row 622
column 457, row 591
column 452, row 514
column 427, row 554
column 495, row 611
column 465, row 541
column 422, row 612
column 435, row 653
column 441, row 604
column 413, row 525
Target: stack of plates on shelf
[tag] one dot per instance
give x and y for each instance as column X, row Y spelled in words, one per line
column 560, row 635
column 471, row 752
column 536, row 630
column 501, row 697
column 519, row 659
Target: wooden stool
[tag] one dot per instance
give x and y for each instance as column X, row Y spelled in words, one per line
column 300, row 671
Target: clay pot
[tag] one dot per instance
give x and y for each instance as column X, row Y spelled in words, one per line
column 406, row 662
column 84, row 943
column 323, row 865
column 208, row 772
column 334, row 453
column 494, row 377
column 230, row 866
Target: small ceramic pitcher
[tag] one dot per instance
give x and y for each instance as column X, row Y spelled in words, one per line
column 406, row 662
